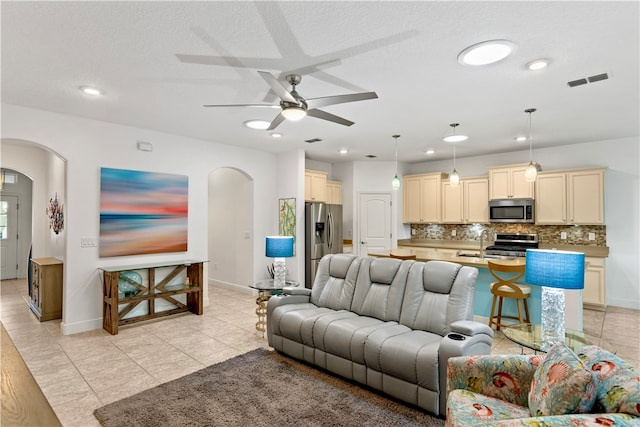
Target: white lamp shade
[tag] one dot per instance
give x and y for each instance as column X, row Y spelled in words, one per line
column 454, row 178
column 531, row 173
column 279, row 246
column 395, row 182
column 555, row 269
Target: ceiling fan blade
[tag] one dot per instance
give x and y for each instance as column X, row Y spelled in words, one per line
column 339, row 99
column 319, row 114
column 274, row 124
column 242, row 105
column 277, row 87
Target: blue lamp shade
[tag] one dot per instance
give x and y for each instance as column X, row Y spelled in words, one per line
column 555, row 269
column 279, row 246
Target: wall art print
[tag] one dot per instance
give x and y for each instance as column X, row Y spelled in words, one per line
column 142, row 212
column 287, row 219
column 55, row 214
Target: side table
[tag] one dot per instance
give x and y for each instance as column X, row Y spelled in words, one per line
column 266, row 288
column 530, row 335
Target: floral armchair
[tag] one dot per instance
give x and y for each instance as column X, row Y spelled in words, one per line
column 591, row 388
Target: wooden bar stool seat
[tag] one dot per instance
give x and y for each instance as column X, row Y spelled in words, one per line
column 392, row 255
column 505, row 287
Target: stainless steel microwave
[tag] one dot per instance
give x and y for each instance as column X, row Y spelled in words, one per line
column 512, row 210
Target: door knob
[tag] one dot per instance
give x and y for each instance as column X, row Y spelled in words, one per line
column 363, row 243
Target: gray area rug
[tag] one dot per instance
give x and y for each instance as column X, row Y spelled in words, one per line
column 260, row 388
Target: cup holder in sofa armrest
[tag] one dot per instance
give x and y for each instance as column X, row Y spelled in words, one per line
column 457, row 337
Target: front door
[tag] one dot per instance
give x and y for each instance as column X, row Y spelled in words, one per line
column 375, row 223
column 8, row 237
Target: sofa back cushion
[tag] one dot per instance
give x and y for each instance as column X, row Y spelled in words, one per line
column 380, row 288
column 437, row 294
column 335, row 281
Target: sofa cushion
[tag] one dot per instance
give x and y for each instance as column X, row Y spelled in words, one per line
column 380, row 288
column 335, row 281
column 466, row 408
column 618, row 384
column 561, row 384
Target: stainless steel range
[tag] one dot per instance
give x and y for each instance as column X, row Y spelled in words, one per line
column 513, row 244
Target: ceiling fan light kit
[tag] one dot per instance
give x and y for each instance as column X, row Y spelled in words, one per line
column 294, row 107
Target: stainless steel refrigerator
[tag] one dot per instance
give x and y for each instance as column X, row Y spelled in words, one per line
column 323, row 235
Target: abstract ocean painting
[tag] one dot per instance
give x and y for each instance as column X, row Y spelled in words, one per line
column 142, row 212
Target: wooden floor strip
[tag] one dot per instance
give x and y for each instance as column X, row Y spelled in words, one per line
column 23, row 404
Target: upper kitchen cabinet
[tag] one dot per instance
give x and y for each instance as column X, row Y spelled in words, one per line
column 422, row 198
column 570, row 197
column 334, row 192
column 315, row 186
column 467, row 202
column 507, row 182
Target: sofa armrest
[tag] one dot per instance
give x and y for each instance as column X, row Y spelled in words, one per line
column 504, row 377
column 471, row 328
column 296, row 291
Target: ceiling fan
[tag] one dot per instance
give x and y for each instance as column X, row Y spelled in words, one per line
column 295, row 107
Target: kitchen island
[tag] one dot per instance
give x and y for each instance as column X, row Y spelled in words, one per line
column 483, row 297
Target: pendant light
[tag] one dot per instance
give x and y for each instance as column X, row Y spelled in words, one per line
column 395, row 182
column 531, row 173
column 454, row 177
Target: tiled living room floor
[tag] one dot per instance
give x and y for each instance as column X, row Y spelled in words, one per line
column 81, row 372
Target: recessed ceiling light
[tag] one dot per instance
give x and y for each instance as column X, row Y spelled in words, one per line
column 429, row 152
column 257, row 124
column 276, row 135
column 343, row 151
column 538, row 64
column 520, row 138
column 487, row 52
column 88, row 90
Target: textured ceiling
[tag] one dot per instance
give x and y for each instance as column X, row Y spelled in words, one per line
column 160, row 62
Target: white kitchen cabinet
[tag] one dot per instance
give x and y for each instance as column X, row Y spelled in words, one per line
column 467, row 202
column 334, row 192
column 570, row 197
column 422, row 198
column 594, row 295
column 315, row 186
column 508, row 182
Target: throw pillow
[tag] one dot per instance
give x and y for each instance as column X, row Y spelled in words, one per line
column 561, row 384
column 617, row 383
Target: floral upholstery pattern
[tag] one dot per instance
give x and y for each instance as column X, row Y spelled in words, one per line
column 561, row 384
column 493, row 390
column 618, row 384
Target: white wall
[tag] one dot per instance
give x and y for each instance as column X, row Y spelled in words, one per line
column 87, row 145
column 621, row 157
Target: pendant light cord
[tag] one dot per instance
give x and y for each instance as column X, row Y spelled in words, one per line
column 530, row 111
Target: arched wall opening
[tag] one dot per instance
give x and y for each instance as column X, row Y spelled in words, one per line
column 230, row 223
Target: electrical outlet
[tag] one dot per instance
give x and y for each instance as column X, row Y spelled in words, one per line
column 592, row 236
column 453, row 233
column 413, row 231
column 563, row 235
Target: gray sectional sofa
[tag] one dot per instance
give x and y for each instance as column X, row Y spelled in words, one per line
column 383, row 322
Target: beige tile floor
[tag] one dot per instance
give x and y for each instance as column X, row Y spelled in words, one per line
column 81, row 372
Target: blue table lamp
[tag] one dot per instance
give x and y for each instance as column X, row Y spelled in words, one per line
column 279, row 247
column 555, row 271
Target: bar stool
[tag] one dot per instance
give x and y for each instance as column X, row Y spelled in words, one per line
column 392, row 255
column 505, row 287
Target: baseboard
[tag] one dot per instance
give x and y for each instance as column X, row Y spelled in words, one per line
column 623, row 303
column 75, row 328
column 233, row 286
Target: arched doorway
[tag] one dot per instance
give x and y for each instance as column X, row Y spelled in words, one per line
column 230, row 220
column 15, row 223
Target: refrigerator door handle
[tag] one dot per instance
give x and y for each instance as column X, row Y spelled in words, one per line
column 330, row 231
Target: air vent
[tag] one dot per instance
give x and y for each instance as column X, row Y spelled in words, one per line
column 578, row 82
column 592, row 79
column 599, row 77
column 312, row 140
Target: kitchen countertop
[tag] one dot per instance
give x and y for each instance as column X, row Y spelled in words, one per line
column 421, row 255
column 474, row 245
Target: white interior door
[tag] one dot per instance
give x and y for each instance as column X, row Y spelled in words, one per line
column 375, row 223
column 8, row 237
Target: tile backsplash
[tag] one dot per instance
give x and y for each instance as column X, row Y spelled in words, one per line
column 576, row 234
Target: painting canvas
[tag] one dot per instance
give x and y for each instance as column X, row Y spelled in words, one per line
column 287, row 219
column 142, row 212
